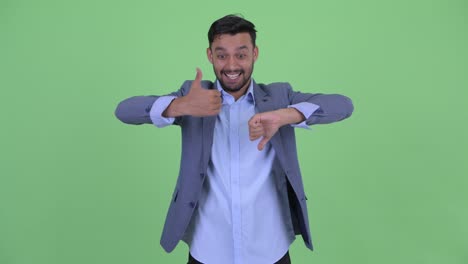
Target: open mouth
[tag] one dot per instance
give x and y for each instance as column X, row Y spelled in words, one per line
column 232, row 76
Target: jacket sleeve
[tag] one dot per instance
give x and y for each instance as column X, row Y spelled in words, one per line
column 136, row 110
column 332, row 107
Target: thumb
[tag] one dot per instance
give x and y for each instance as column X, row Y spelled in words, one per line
column 198, row 78
column 262, row 143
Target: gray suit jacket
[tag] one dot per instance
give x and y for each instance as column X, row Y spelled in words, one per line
column 197, row 139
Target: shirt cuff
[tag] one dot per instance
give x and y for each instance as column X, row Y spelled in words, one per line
column 159, row 106
column 307, row 109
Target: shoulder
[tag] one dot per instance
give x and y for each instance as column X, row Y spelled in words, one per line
column 275, row 85
column 275, row 89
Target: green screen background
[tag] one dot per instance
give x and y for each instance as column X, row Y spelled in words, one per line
column 388, row 185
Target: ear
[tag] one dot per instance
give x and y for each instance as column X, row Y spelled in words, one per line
column 255, row 53
column 209, row 54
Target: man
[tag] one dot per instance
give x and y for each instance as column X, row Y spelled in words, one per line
column 239, row 197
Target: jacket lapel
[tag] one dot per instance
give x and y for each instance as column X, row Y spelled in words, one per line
column 264, row 103
column 207, row 138
column 208, row 124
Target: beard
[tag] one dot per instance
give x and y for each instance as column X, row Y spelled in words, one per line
column 234, row 87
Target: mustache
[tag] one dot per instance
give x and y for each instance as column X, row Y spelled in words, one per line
column 231, row 71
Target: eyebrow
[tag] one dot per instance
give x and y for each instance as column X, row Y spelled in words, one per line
column 239, row 48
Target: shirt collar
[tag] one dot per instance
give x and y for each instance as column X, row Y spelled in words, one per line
column 249, row 95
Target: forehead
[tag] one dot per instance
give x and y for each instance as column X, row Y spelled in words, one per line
column 232, row 42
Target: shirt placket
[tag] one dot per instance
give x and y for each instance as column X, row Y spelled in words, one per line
column 234, row 115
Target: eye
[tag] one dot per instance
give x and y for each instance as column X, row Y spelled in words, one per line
column 241, row 56
column 221, row 56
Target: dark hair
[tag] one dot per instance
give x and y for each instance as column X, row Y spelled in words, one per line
column 231, row 24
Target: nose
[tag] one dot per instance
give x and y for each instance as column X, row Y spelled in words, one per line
column 232, row 63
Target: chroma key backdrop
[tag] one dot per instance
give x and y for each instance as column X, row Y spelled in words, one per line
column 388, row 185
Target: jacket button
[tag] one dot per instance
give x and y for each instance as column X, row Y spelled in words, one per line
column 202, row 175
column 192, row 204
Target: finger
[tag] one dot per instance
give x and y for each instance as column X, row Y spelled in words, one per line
column 255, row 133
column 256, row 129
column 216, row 107
column 214, row 93
column 198, row 78
column 254, row 137
column 262, row 143
column 254, row 120
column 212, row 112
column 215, row 101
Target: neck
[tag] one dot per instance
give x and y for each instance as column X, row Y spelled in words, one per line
column 239, row 93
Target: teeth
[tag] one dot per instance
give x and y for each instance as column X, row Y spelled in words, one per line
column 233, row 76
